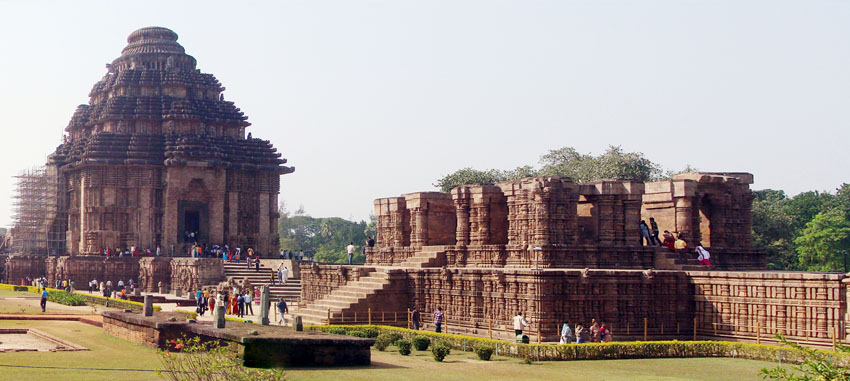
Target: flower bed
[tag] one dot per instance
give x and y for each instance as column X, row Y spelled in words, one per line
column 601, row 351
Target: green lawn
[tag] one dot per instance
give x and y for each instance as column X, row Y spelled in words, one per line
column 19, row 302
column 105, row 352
column 391, row 365
column 110, row 352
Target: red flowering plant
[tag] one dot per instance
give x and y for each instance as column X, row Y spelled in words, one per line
column 193, row 359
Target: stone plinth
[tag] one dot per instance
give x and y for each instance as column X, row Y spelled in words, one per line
column 273, row 347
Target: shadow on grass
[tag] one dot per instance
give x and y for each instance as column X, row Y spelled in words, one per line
column 374, row 365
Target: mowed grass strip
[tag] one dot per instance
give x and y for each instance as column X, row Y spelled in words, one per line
column 105, row 351
column 390, row 365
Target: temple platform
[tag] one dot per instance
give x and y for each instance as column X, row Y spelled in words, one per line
column 259, row 345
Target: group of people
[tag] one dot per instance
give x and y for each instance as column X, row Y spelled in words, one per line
column 282, row 274
column 649, row 237
column 350, row 249
column 132, row 251
column 595, row 333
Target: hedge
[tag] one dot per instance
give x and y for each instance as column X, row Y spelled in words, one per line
column 604, row 351
column 90, row 299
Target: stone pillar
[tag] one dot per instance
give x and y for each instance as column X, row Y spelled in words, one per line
column 482, row 218
column 299, row 325
column 684, row 217
column 542, row 221
column 397, row 228
column 605, row 204
column 218, row 316
column 264, row 305
column 462, row 211
column 148, row 305
column 419, row 234
column 631, row 210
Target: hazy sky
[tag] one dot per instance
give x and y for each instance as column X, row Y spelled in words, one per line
column 372, row 99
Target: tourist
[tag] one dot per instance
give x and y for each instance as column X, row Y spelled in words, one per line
column 202, row 305
column 240, row 301
column 644, row 233
column 248, row 262
column 605, row 334
column 567, row 336
column 370, row 242
column 282, row 252
column 65, row 284
column 272, row 279
column 350, row 249
column 44, row 300
column 285, row 273
column 582, row 334
column 594, row 332
column 519, row 323
column 680, row 243
column 438, row 320
column 211, row 302
column 120, row 284
column 669, row 242
column 198, row 295
column 257, row 264
column 654, row 236
column 282, row 309
column 415, row 318
column 248, row 299
column 703, row 256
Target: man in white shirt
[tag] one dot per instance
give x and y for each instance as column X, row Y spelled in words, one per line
column 350, row 249
column 248, row 298
column 519, row 323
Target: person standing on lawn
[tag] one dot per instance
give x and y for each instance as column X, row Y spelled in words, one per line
column 519, row 323
column 438, row 320
column 43, row 300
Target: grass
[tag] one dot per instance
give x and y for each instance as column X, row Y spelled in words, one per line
column 105, row 351
column 110, row 352
column 18, row 302
column 390, row 365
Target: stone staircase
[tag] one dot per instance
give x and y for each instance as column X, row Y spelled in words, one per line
column 291, row 291
column 428, row 256
column 348, row 300
column 679, row 260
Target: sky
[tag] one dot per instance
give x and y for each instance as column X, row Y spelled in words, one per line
column 371, row 99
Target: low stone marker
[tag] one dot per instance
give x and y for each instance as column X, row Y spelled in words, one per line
column 219, row 316
column 264, row 305
column 148, row 305
column 299, row 326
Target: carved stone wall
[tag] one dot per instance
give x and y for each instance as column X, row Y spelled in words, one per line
column 20, row 266
column 153, row 270
column 187, row 274
column 83, row 269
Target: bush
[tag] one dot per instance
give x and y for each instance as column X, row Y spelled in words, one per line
column 421, row 343
column 484, row 351
column 358, row 333
column 337, row 331
column 383, row 341
column 403, row 346
column 440, row 352
column 394, row 337
column 66, row 298
column 371, row 332
column 208, row 361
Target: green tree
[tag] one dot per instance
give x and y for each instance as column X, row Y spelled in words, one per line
column 489, row 177
column 824, row 242
column 613, row 164
column 774, row 230
column 326, row 238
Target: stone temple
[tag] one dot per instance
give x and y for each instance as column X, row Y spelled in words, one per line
column 156, row 152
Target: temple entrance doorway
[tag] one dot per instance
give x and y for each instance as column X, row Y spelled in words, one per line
column 193, row 217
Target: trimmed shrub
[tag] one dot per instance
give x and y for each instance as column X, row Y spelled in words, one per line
column 484, row 351
column 403, row 346
column 66, row 298
column 383, row 341
column 358, row 333
column 440, row 352
column 421, row 343
column 371, row 332
column 337, row 331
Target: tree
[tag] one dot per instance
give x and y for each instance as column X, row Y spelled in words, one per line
column 773, row 229
column 613, row 164
column 824, row 242
column 489, row 177
column 326, row 238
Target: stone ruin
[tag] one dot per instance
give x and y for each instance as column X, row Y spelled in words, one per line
column 155, row 153
column 561, row 251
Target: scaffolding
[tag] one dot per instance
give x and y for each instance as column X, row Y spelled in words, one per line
column 40, row 220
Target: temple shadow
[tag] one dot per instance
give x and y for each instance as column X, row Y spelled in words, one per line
column 374, row 365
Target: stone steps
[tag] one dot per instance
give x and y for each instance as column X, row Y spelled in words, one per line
column 423, row 258
column 290, row 291
column 344, row 300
